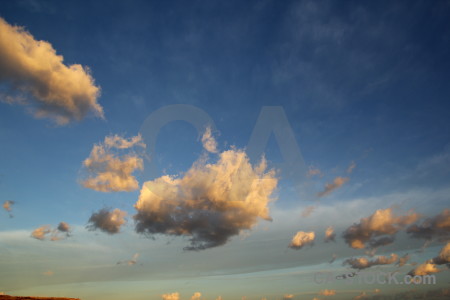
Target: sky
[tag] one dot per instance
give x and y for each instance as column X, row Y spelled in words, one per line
column 224, row 149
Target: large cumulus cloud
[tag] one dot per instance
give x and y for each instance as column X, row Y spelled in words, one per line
column 210, row 203
column 111, row 171
column 37, row 76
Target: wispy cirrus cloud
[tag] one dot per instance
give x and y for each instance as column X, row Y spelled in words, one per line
column 37, row 77
column 330, row 187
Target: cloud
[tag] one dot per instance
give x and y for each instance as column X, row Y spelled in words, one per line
column 107, row 221
column 435, row 227
column 48, row 273
column 362, row 295
column 430, row 266
column 327, row 292
column 329, row 234
column 314, row 172
column 210, row 203
column 351, row 167
column 329, row 187
column 426, row 268
column 302, row 239
column 110, row 172
column 130, row 262
column 209, row 142
column 288, row 296
column 7, row 205
column 307, row 211
column 403, row 260
column 63, row 227
column 37, row 76
column 381, row 222
column 196, row 296
column 41, row 233
column 364, row 263
column 444, row 255
column 172, row 296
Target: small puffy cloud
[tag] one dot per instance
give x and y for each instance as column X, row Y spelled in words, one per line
column 302, row 239
column 327, row 292
column 307, row 211
column 426, row 268
column 364, row 263
column 7, row 205
column 110, row 172
column 381, row 222
column 41, row 232
column 208, row 141
column 196, row 296
column 107, row 221
column 288, row 296
column 330, row 187
column 130, row 262
column 48, row 273
column 63, row 227
column 210, row 203
column 54, row 234
column 37, row 76
column 435, row 227
column 329, row 234
column 172, row 296
column 361, row 296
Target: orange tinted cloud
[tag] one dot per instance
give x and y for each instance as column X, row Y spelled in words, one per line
column 37, row 76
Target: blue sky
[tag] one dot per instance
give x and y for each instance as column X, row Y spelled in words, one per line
column 360, row 82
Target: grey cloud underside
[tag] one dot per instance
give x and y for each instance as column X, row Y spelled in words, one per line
column 206, row 229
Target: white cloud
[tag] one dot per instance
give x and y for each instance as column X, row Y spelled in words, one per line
column 109, row 172
column 329, row 234
column 209, row 142
column 302, row 239
column 172, row 296
column 37, row 76
column 210, row 203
